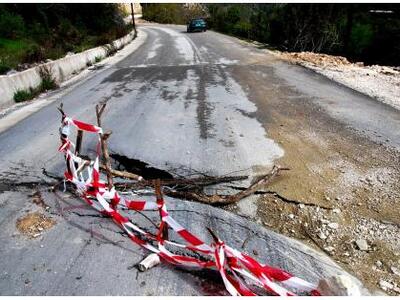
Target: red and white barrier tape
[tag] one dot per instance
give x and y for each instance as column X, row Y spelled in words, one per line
column 233, row 265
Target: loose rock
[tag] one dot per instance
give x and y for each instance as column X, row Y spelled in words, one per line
column 362, row 245
column 385, row 285
column 395, row 271
column 333, row 225
column 339, row 285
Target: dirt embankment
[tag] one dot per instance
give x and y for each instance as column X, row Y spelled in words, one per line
column 379, row 82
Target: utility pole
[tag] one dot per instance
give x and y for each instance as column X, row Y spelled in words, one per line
column 133, row 18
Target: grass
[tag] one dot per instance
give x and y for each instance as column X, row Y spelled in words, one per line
column 24, row 95
column 26, row 50
column 47, row 83
column 12, row 53
column 98, row 59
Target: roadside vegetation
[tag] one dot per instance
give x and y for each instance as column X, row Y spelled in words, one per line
column 47, row 83
column 360, row 32
column 32, row 33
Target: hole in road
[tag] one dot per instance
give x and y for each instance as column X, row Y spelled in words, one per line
column 124, row 163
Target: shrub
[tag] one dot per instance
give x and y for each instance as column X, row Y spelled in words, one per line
column 4, row 67
column 23, row 95
column 34, row 54
column 111, row 49
column 361, row 37
column 48, row 82
column 98, row 59
column 11, row 24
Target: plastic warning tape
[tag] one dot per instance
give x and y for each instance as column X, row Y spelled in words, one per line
column 239, row 271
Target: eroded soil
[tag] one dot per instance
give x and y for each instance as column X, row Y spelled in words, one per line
column 349, row 185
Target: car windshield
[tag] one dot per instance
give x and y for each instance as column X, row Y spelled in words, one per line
column 198, row 22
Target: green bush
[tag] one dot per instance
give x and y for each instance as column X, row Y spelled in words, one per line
column 361, row 37
column 98, row 59
column 11, row 25
column 48, row 82
column 110, row 49
column 23, row 95
column 4, row 67
column 34, row 32
column 35, row 53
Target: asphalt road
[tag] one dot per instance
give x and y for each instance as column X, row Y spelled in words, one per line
column 183, row 103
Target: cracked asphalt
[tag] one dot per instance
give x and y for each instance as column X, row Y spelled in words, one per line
column 183, row 103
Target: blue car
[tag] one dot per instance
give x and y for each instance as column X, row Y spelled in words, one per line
column 197, row 25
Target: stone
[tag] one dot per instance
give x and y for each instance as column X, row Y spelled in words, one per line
column 333, row 225
column 336, row 210
column 322, row 236
column 379, row 264
column 301, row 206
column 12, row 71
column 385, row 285
column 329, row 249
column 338, row 285
column 150, row 261
column 362, row 245
column 395, row 271
column 291, row 216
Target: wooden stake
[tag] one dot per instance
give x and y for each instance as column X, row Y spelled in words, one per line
column 79, row 138
column 104, row 148
column 159, row 195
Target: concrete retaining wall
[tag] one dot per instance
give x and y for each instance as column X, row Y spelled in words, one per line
column 62, row 69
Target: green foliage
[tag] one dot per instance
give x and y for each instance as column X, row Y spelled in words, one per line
column 11, row 25
column 4, row 68
column 24, row 95
column 110, row 49
column 169, row 13
column 361, row 37
column 34, row 53
column 35, row 32
column 12, row 52
column 98, row 59
column 47, row 83
column 354, row 30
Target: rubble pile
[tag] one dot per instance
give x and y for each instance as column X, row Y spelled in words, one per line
column 33, row 224
column 318, row 59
